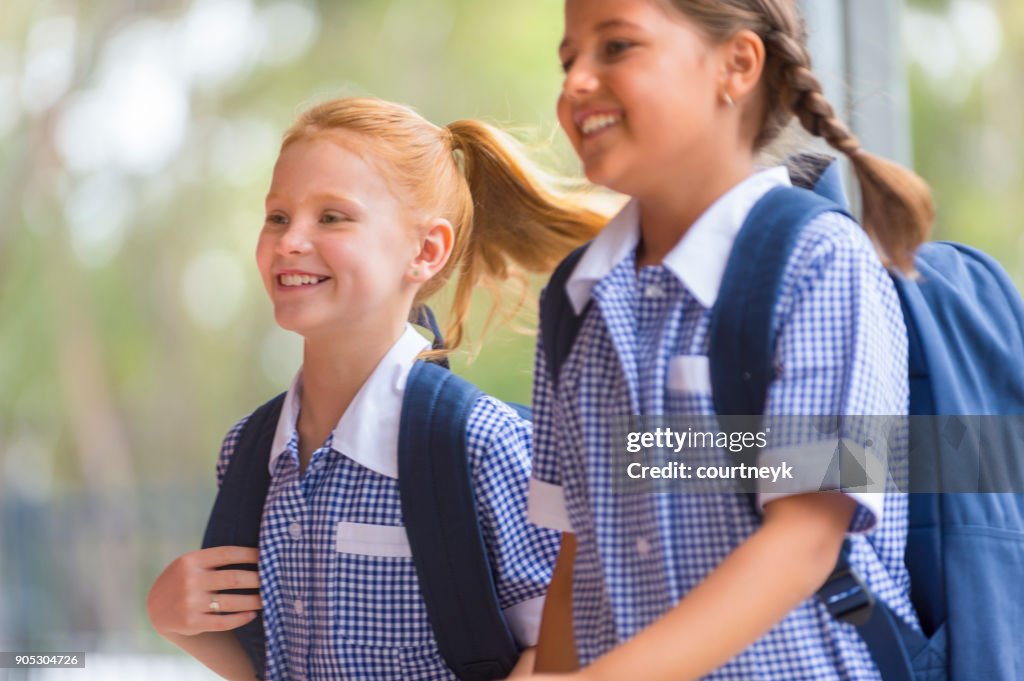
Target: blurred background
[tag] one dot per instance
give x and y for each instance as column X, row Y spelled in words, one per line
column 136, row 144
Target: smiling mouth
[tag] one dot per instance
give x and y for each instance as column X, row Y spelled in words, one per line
column 299, row 280
column 591, row 125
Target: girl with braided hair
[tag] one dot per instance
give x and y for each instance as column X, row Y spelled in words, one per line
column 670, row 102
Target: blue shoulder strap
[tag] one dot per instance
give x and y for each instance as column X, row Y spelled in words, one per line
column 439, row 512
column 238, row 509
column 424, row 317
column 742, row 345
column 559, row 323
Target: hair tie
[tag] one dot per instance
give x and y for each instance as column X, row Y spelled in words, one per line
column 450, row 137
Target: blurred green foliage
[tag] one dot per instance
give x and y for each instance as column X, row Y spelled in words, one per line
column 968, row 120
column 101, row 346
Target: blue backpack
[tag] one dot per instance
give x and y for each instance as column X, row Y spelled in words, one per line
column 438, row 508
column 965, row 325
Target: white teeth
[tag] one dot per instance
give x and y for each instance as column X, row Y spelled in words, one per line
column 299, row 279
column 592, row 124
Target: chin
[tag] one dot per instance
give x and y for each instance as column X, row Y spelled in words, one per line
column 289, row 321
column 606, row 168
column 597, row 173
column 605, row 177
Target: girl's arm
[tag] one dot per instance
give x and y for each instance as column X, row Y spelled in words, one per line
column 756, row 586
column 556, row 649
column 179, row 607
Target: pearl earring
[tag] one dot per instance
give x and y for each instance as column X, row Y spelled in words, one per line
column 727, row 98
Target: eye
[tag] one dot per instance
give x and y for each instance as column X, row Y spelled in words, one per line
column 276, row 219
column 567, row 64
column 332, row 216
column 614, row 48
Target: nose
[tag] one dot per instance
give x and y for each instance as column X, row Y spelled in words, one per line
column 580, row 79
column 295, row 240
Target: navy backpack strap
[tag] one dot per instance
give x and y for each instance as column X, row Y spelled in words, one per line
column 742, row 345
column 741, row 351
column 439, row 512
column 424, row 317
column 238, row 509
column 887, row 636
column 559, row 323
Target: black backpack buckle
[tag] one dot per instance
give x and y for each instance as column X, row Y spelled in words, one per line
column 847, row 597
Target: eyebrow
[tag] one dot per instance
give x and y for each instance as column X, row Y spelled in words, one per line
column 602, row 26
column 325, row 197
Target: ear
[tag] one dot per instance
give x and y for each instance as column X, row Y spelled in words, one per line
column 743, row 57
column 435, row 249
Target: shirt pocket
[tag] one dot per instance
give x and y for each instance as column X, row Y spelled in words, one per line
column 688, row 386
column 375, row 593
column 361, row 539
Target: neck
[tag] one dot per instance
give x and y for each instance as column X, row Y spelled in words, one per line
column 334, row 368
column 669, row 210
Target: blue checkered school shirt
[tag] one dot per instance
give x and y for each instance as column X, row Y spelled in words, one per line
column 642, row 349
column 340, row 595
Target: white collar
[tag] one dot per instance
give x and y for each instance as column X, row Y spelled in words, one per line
column 367, row 432
column 698, row 260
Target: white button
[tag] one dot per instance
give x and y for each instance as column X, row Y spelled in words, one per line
column 300, row 607
column 654, row 291
column 643, row 547
column 295, row 530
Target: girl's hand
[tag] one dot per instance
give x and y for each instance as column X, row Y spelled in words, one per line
column 184, row 599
